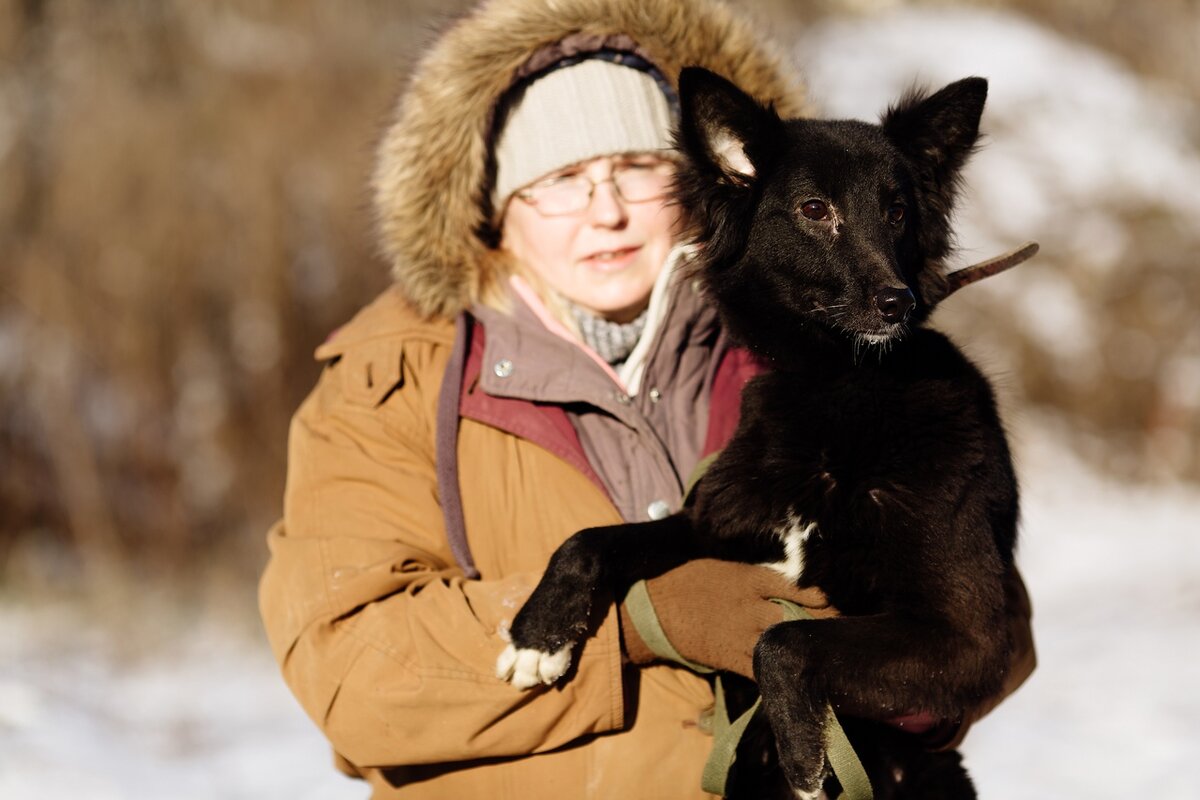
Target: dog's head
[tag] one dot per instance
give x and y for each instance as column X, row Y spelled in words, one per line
column 837, row 227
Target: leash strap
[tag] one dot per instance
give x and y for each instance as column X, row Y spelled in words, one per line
column 727, row 735
column 846, row 766
column 645, row 619
column 992, row 266
column 698, row 472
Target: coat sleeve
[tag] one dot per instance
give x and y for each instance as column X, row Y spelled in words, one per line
column 386, row 645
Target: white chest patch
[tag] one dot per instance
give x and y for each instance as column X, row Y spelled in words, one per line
column 794, row 534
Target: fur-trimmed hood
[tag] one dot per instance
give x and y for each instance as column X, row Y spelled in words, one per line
column 431, row 166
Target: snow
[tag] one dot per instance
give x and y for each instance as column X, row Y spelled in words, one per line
column 1113, row 569
column 107, row 714
column 1114, row 574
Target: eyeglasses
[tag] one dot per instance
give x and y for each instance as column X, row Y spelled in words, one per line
column 571, row 193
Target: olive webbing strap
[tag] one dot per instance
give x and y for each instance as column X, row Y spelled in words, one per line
column 727, row 735
column 645, row 620
column 698, row 472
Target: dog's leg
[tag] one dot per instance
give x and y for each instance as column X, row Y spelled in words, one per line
column 590, row 564
column 872, row 667
column 796, row 713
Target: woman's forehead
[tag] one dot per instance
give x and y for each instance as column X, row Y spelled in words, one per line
column 614, row 159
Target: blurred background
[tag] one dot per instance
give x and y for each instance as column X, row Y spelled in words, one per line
column 184, row 217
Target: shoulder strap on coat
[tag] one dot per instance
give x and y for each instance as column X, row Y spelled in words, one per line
column 447, row 447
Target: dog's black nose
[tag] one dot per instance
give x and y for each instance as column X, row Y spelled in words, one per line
column 894, row 304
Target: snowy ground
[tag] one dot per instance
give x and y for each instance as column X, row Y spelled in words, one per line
column 1114, row 571
column 88, row 713
column 1113, row 708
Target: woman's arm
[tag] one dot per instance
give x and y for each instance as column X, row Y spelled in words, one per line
column 388, row 648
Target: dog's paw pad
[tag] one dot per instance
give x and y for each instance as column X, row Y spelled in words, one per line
column 526, row 667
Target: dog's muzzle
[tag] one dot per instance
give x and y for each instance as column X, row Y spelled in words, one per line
column 894, row 305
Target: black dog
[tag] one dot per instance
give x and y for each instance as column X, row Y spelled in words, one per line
column 869, row 461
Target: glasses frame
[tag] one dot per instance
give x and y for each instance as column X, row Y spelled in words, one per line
column 526, row 194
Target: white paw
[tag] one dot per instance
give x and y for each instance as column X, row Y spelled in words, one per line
column 528, row 667
column 817, row 795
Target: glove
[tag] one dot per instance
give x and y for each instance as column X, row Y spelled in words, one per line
column 713, row 612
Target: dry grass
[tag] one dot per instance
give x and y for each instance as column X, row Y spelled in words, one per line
column 183, row 218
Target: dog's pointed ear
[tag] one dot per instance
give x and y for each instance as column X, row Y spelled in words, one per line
column 723, row 128
column 938, row 132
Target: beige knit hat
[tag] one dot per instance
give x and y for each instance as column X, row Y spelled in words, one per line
column 575, row 113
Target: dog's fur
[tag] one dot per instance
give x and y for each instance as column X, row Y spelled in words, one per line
column 871, row 448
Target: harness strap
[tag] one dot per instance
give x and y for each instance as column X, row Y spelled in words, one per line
column 838, row 750
column 726, row 737
column 698, row 473
column 728, row 734
column 446, row 443
column 645, row 620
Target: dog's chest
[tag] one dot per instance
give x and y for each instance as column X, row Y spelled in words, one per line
column 835, row 462
column 793, row 536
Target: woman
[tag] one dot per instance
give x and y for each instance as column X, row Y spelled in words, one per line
column 444, row 455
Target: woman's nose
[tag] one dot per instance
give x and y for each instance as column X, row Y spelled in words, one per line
column 607, row 208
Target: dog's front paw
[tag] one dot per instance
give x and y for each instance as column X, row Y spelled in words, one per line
column 526, row 667
column 806, row 777
column 808, row 787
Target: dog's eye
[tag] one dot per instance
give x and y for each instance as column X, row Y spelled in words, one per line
column 815, row 210
column 895, row 213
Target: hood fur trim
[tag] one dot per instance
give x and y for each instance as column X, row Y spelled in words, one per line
column 431, row 165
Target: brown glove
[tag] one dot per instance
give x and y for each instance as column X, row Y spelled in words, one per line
column 713, row 612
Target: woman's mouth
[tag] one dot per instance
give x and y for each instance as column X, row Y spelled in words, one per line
column 611, row 260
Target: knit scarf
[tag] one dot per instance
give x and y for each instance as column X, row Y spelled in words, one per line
column 612, row 341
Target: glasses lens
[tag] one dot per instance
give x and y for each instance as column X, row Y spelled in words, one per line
column 558, row 196
column 639, row 183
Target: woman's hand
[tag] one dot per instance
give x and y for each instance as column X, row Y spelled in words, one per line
column 713, row 612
